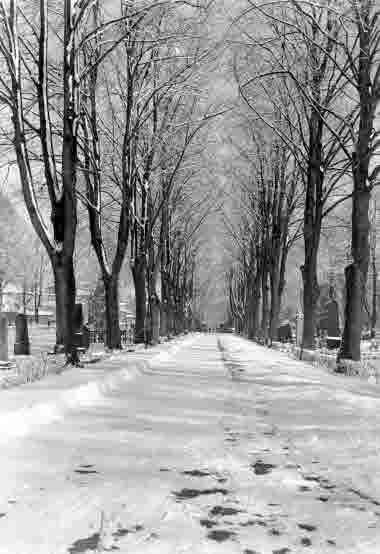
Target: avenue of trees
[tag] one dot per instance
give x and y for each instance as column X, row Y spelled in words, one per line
column 105, row 114
column 309, row 81
column 102, row 107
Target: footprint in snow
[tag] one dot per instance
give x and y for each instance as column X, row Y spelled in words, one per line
column 221, row 535
column 261, row 468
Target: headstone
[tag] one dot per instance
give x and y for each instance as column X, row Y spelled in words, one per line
column 333, row 319
column 299, row 328
column 80, row 340
column 323, row 324
column 86, row 337
column 3, row 339
column 22, row 345
column 284, row 332
column 78, row 324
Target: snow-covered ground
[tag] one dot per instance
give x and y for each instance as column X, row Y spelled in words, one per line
column 216, row 446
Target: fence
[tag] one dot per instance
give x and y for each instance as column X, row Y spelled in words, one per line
column 98, row 336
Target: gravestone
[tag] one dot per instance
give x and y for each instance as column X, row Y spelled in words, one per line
column 284, row 332
column 22, row 345
column 3, row 340
column 78, row 326
column 86, row 337
column 333, row 331
column 333, row 319
column 323, row 324
column 299, row 328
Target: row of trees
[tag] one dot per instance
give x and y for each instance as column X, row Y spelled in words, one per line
column 103, row 110
column 264, row 235
column 310, row 81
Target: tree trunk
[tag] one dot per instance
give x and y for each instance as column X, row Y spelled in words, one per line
column 64, row 281
column 312, row 220
column 350, row 346
column 163, row 319
column 356, row 277
column 170, row 321
column 374, row 297
column 59, row 310
column 265, row 307
column 282, row 281
column 357, row 272
column 155, row 308
column 111, row 290
column 253, row 310
column 310, row 298
column 163, row 305
column 312, row 233
column 278, row 285
column 275, row 304
column 139, row 280
column 175, row 321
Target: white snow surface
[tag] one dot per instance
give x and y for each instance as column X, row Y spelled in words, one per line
column 216, row 445
column 50, row 399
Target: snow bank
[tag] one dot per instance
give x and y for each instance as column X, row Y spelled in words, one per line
column 19, row 422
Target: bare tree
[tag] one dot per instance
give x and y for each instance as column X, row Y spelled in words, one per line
column 268, row 179
column 124, row 148
column 364, row 68
column 302, row 75
column 60, row 181
column 43, row 99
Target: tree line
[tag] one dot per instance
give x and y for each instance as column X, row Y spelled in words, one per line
column 308, row 75
column 102, row 107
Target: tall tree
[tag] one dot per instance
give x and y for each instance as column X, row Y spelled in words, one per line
column 365, row 77
column 46, row 138
column 301, row 75
column 60, row 178
column 130, row 112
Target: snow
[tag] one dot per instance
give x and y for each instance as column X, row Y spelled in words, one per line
column 205, row 450
column 76, row 389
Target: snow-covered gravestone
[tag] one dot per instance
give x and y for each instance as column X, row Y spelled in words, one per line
column 299, row 328
column 3, row 341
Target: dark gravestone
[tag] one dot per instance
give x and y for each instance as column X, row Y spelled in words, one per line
column 323, row 324
column 78, row 326
column 86, row 337
column 22, row 346
column 333, row 331
column 4, row 363
column 3, row 338
column 284, row 332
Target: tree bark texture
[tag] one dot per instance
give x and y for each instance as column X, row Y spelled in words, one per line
column 139, row 280
column 64, row 281
column 113, row 335
column 356, row 275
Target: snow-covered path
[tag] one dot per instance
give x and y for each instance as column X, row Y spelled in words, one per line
column 220, row 447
